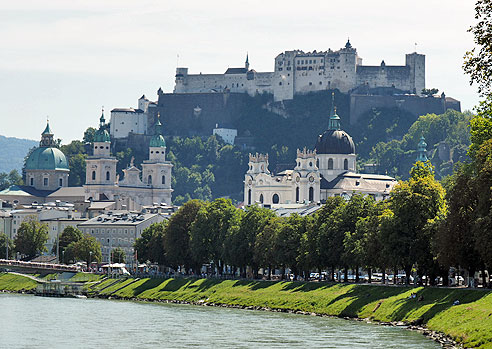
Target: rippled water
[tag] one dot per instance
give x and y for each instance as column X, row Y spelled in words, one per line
column 36, row 322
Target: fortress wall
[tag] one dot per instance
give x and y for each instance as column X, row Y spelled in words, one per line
column 197, row 113
column 203, row 83
column 385, row 76
column 359, row 104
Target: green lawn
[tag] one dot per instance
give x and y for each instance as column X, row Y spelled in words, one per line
column 12, row 282
column 470, row 322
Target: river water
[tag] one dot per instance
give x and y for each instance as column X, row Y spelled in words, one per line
column 28, row 321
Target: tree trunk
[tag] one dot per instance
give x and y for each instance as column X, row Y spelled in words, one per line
column 408, row 271
column 269, row 272
column 356, row 274
column 369, row 275
column 345, row 279
column 319, row 273
column 395, row 275
column 282, row 271
column 484, row 282
column 383, row 276
column 332, row 273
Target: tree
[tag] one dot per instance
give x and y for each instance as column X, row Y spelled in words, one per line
column 177, row 235
column 358, row 207
column 70, row 234
column 330, row 236
column 415, row 203
column 4, row 241
column 287, row 241
column 150, row 245
column 241, row 237
column 209, row 231
column 478, row 61
column 455, row 243
column 87, row 249
column 264, row 253
column 31, row 238
column 118, row 255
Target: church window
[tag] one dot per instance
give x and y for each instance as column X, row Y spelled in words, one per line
column 317, row 162
column 107, row 175
column 297, row 194
column 107, row 147
column 330, row 164
column 310, row 83
column 93, row 175
column 311, row 194
column 321, row 83
column 249, row 197
column 345, row 164
column 45, row 181
column 152, row 152
column 261, row 198
column 157, row 152
column 275, row 199
column 310, row 164
column 60, row 183
column 280, row 83
column 149, row 179
column 32, row 181
column 163, row 179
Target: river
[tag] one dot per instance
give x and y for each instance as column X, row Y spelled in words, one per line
column 28, row 321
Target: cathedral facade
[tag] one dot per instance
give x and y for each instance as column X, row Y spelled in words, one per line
column 328, row 170
column 148, row 186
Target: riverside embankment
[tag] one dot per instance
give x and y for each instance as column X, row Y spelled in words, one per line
column 469, row 322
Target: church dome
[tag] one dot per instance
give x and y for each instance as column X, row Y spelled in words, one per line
column 102, row 136
column 335, row 142
column 47, row 159
column 157, row 140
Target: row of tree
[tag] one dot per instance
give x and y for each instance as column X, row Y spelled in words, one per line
column 395, row 234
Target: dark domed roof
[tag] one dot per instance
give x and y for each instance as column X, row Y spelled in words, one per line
column 335, row 142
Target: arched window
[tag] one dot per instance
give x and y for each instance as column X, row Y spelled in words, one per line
column 330, row 164
column 249, row 197
column 311, row 194
column 45, row 181
column 32, row 181
column 149, row 179
column 345, row 164
column 275, row 199
column 107, row 175
column 163, row 179
column 60, row 182
column 297, row 194
column 261, row 198
column 93, row 175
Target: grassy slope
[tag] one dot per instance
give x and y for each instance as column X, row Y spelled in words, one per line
column 12, row 282
column 470, row 322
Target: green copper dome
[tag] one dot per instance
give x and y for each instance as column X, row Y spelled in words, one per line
column 157, row 140
column 102, row 134
column 47, row 156
column 44, row 158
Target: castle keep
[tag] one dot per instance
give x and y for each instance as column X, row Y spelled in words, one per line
column 298, row 72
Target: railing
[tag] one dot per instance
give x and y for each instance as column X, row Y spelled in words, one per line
column 38, row 265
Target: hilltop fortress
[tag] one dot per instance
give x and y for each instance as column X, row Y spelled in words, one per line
column 298, row 72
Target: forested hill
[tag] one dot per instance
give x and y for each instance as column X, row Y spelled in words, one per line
column 13, row 151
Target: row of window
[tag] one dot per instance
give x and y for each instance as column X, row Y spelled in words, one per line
column 46, row 182
column 276, row 198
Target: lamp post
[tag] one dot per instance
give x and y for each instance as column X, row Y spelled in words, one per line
column 90, row 259
column 63, row 256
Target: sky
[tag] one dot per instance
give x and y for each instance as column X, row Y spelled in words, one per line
column 67, row 59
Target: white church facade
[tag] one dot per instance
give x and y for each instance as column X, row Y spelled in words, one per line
column 328, row 170
column 148, row 186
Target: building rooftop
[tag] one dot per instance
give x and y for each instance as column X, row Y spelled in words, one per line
column 119, row 218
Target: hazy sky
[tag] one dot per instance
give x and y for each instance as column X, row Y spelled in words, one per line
column 66, row 59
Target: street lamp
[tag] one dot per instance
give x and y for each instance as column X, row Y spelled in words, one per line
column 63, row 256
column 90, row 259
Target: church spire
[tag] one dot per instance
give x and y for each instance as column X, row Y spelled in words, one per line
column 47, row 136
column 334, row 122
column 246, row 64
column 157, row 139
column 422, row 150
